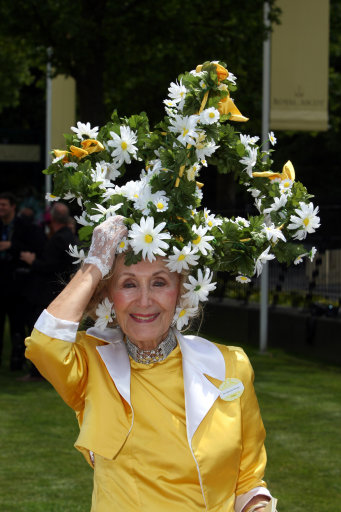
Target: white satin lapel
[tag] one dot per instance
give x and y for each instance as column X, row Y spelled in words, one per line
column 199, row 357
column 116, row 359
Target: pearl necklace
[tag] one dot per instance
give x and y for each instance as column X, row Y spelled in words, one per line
column 154, row 355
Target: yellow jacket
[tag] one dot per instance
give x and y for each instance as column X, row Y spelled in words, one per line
column 226, row 438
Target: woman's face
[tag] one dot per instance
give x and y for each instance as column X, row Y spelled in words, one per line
column 145, row 297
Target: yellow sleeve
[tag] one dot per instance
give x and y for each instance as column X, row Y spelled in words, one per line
column 253, row 458
column 62, row 363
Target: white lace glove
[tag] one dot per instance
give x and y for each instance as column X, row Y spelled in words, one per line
column 105, row 240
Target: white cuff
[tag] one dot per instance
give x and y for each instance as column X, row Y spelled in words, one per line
column 243, row 499
column 56, row 328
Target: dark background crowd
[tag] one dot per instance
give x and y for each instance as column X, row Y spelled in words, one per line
column 34, row 266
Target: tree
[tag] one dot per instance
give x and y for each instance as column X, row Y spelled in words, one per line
column 125, row 53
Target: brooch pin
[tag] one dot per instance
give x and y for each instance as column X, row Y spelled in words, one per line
column 231, row 389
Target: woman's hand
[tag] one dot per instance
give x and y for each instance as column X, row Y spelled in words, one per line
column 72, row 301
column 105, row 240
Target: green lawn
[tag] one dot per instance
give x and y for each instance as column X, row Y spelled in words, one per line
column 301, row 405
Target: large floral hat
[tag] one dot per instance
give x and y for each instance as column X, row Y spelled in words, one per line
column 163, row 209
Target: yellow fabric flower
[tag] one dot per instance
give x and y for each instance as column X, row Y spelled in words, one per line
column 226, row 106
column 288, row 172
column 78, row 152
column 92, row 146
column 58, row 153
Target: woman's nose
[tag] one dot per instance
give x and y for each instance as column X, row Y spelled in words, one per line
column 145, row 296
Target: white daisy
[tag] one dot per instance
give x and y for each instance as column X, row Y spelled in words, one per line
column 243, row 223
column 110, row 169
column 209, row 116
column 122, row 246
column 250, row 160
column 149, row 239
column 262, row 259
column 299, row 259
column 285, row 185
column 199, row 289
column 161, row 201
column 57, row 159
column 74, row 165
column 144, row 198
column 246, row 140
column 211, row 220
column 200, row 243
column 69, row 196
column 181, row 259
column 73, row 251
column 50, row 197
column 104, row 314
column 131, row 190
column 169, row 103
column 273, row 234
column 279, row 202
column 105, row 212
column 84, row 130
column 177, row 93
column 254, row 191
column 231, row 78
column 123, row 145
column 306, row 220
column 99, row 175
column 243, row 279
column 258, row 203
column 272, row 138
column 193, row 171
column 205, row 150
column 185, row 126
column 182, row 316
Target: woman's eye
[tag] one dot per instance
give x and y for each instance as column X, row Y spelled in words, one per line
column 159, row 283
column 128, row 285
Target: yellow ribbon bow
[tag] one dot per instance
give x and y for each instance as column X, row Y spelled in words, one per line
column 288, row 172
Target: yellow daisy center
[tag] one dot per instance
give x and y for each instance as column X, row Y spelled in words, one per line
column 160, row 206
column 122, row 244
column 210, row 223
column 124, row 145
column 211, row 115
column 243, row 278
column 107, row 317
column 148, row 239
column 136, row 195
column 197, row 240
column 185, row 131
column 182, row 313
column 181, row 257
column 286, row 184
column 306, row 221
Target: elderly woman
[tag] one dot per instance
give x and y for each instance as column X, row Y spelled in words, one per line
column 168, row 422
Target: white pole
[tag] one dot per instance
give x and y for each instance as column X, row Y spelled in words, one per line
column 48, row 120
column 264, row 289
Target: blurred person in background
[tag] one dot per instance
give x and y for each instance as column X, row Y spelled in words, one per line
column 17, row 235
column 50, row 271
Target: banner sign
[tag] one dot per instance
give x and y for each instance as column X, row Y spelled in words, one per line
column 300, row 66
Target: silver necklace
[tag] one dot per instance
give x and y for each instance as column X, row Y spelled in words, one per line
column 154, row 355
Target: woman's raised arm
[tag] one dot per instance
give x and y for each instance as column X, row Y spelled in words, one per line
column 72, row 301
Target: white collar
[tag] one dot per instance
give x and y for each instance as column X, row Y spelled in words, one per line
column 199, row 358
